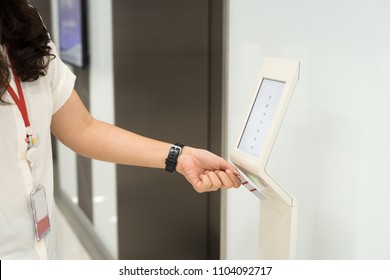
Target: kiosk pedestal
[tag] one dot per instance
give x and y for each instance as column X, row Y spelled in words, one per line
column 277, row 234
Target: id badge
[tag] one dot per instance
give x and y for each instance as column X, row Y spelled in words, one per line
column 40, row 212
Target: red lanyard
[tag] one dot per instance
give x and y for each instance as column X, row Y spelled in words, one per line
column 20, row 102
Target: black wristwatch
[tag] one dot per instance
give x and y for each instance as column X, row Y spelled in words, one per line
column 171, row 161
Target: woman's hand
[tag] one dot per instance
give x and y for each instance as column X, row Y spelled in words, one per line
column 206, row 171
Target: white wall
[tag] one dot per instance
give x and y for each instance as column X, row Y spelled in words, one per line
column 101, row 107
column 333, row 150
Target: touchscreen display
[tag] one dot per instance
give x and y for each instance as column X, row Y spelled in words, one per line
column 261, row 116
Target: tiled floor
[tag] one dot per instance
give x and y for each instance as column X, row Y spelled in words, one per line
column 70, row 247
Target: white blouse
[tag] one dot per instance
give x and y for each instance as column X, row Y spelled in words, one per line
column 43, row 98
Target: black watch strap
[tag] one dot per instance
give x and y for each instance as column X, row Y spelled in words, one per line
column 171, row 161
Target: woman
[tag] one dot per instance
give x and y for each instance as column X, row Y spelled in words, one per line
column 37, row 97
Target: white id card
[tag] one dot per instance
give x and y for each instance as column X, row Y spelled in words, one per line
column 250, row 186
column 40, row 212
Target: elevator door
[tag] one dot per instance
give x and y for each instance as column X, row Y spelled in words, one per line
column 164, row 66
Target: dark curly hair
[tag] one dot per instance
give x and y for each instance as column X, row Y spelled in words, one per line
column 23, row 33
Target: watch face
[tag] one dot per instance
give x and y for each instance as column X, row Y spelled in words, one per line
column 261, row 116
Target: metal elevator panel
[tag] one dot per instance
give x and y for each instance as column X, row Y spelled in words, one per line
column 162, row 90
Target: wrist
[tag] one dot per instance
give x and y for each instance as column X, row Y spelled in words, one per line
column 180, row 160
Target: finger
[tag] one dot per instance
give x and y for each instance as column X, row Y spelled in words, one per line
column 225, row 165
column 215, row 181
column 226, row 181
column 204, row 184
column 232, row 175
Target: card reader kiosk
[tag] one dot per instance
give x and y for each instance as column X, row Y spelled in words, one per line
column 278, row 211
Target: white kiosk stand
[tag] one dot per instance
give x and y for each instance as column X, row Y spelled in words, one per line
column 278, row 208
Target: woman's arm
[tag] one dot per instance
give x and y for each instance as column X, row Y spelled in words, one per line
column 77, row 129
